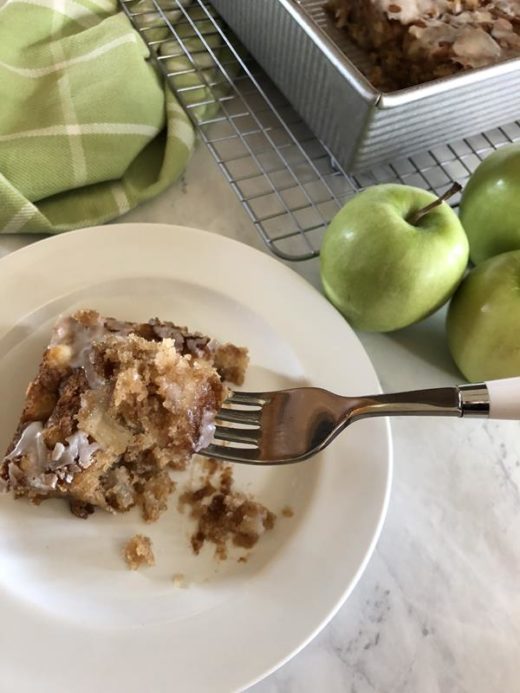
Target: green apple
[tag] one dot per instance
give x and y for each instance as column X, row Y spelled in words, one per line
column 490, row 205
column 483, row 320
column 384, row 267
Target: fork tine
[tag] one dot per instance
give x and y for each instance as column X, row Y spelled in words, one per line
column 223, row 452
column 253, row 399
column 240, row 416
column 237, row 435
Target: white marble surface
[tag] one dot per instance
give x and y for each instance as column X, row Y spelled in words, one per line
column 438, row 608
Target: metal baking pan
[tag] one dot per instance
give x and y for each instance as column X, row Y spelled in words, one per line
column 317, row 68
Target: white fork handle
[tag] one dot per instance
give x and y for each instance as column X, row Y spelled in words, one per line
column 504, row 398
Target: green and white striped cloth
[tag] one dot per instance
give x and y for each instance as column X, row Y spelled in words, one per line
column 87, row 129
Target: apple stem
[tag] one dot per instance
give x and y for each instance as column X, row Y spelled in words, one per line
column 417, row 216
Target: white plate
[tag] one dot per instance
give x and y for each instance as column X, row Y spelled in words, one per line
column 70, row 610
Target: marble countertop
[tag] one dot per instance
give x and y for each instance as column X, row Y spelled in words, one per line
column 438, row 608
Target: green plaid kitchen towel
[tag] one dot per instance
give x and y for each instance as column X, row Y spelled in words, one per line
column 87, row 130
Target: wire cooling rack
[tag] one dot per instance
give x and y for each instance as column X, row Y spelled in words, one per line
column 287, row 181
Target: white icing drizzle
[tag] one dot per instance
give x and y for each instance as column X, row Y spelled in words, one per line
column 79, row 338
column 44, row 467
column 408, row 11
column 32, row 446
column 207, row 430
column 31, row 443
column 173, row 392
column 77, row 451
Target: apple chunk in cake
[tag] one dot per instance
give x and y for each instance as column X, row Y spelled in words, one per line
column 114, row 406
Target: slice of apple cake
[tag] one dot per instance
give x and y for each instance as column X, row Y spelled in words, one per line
column 116, row 405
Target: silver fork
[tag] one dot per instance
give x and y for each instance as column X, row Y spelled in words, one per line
column 292, row 425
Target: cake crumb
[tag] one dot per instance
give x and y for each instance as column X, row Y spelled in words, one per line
column 223, row 514
column 209, row 465
column 138, row 552
column 179, row 580
column 287, row 511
